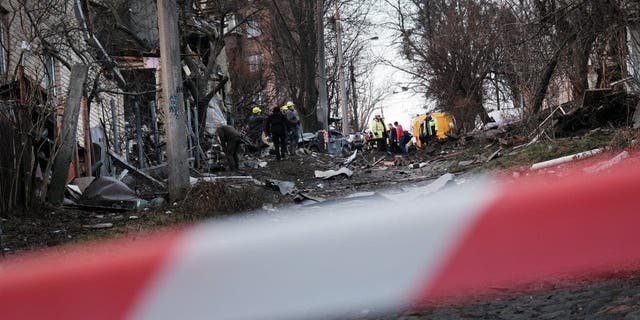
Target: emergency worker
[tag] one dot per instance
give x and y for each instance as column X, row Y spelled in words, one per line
column 433, row 127
column 230, row 140
column 378, row 130
column 256, row 125
column 277, row 127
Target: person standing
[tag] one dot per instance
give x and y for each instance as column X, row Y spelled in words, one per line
column 393, row 139
column 377, row 127
column 256, row 126
column 399, row 129
column 277, row 127
column 230, row 140
column 402, row 140
column 294, row 125
column 432, row 127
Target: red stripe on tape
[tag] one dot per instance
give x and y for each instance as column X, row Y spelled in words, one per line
column 546, row 228
column 94, row 282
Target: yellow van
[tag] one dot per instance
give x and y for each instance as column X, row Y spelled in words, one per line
column 445, row 123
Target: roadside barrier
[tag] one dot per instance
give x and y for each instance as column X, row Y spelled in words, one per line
column 337, row 260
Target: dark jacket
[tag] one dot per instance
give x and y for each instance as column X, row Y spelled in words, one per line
column 277, row 123
column 227, row 134
column 393, row 135
column 256, row 123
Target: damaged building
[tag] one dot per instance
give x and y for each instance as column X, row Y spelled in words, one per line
column 120, row 124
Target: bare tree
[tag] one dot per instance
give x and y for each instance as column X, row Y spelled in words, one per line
column 292, row 43
column 356, row 38
column 545, row 40
column 451, row 47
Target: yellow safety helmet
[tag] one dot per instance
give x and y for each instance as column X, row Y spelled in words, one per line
column 285, row 108
column 289, row 104
column 256, row 109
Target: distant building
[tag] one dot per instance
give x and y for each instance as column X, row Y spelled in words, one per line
column 246, row 32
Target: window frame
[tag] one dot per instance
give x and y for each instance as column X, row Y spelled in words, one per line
column 255, row 62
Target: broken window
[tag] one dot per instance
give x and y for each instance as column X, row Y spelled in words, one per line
column 49, row 79
column 230, row 24
column 261, row 98
column 254, row 62
column 253, row 29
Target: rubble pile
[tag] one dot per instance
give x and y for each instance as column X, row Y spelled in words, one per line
column 210, row 199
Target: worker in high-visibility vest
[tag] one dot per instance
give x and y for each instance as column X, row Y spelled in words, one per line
column 433, row 127
column 379, row 136
column 428, row 129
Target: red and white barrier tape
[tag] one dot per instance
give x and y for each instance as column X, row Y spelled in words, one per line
column 339, row 259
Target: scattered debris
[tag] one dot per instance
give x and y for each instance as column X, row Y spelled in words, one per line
column 418, row 165
column 438, row 184
column 105, row 225
column 194, row 181
column 285, row 187
column 354, row 199
column 157, row 203
column 420, row 192
column 123, row 174
column 351, row 158
column 125, row 165
column 74, row 192
column 565, row 159
column 399, row 161
column 333, row 173
column 607, row 164
column 108, row 192
column 376, row 162
column 304, row 199
column 251, row 164
column 83, row 183
column 466, row 163
column 494, row 155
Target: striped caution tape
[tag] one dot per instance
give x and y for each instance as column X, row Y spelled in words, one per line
column 335, row 260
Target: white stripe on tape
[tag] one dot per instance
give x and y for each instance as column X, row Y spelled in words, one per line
column 316, row 263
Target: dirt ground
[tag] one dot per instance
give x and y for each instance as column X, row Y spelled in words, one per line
column 615, row 298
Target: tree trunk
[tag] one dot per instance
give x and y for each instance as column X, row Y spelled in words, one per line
column 68, row 135
column 579, row 78
column 541, row 89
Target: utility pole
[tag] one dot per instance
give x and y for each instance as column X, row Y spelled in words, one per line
column 356, row 119
column 323, row 104
column 341, row 80
column 172, row 99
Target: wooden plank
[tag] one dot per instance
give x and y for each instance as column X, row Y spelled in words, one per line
column 55, row 193
column 125, row 165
